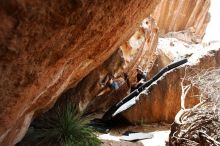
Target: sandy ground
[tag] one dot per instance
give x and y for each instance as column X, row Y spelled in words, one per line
column 120, row 143
column 160, row 132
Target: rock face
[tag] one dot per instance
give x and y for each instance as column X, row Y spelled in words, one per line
column 48, row 46
column 162, row 101
column 190, row 15
column 54, row 47
column 92, row 90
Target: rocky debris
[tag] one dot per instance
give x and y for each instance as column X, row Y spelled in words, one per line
column 49, row 46
column 191, row 16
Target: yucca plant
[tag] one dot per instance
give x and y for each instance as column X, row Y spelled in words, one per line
column 62, row 126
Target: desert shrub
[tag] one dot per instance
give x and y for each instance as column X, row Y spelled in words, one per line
column 62, row 126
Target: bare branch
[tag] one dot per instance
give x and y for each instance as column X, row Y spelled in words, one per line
column 184, row 91
column 200, row 124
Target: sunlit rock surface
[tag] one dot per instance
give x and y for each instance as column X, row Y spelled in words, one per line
column 49, row 46
column 189, row 15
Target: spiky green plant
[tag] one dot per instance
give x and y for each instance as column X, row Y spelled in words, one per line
column 62, row 127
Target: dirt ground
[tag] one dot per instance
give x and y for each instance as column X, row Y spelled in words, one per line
column 120, row 143
column 138, row 128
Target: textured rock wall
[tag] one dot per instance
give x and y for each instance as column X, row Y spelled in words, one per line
column 173, row 15
column 139, row 50
column 48, row 46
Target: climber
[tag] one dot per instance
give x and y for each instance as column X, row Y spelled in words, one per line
column 141, row 78
column 126, row 79
column 141, row 75
column 109, row 83
column 112, row 83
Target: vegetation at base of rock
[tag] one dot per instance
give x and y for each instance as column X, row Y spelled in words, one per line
column 61, row 126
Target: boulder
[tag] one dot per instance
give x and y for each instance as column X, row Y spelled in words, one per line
column 49, row 46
